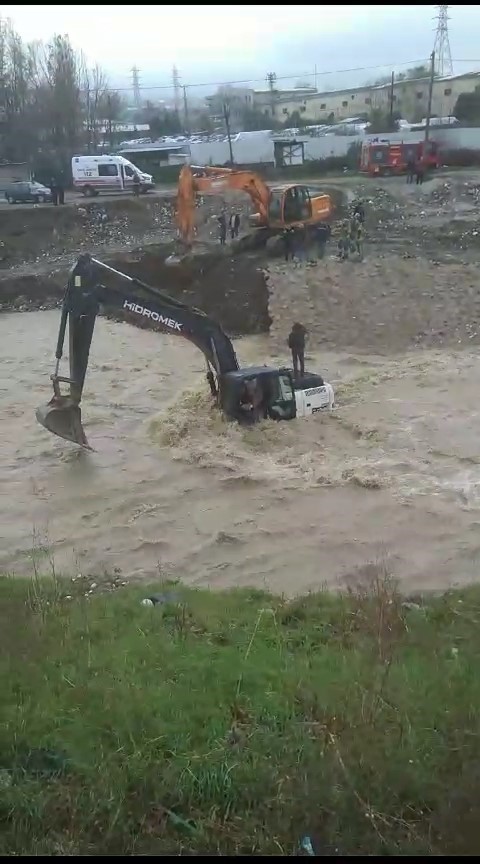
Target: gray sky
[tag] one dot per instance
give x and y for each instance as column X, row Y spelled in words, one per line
column 227, row 43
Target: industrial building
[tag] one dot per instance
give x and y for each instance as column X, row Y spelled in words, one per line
column 410, row 98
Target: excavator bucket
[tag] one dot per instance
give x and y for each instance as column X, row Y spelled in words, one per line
column 63, row 417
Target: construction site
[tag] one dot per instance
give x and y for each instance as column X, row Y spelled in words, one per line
column 391, row 474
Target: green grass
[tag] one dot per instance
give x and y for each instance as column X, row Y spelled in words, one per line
column 238, row 722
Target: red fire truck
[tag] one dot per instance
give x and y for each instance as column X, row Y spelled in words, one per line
column 383, row 158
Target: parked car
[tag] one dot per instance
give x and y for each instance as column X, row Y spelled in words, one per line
column 25, row 190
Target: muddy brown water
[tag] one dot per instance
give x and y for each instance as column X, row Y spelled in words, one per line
column 392, row 475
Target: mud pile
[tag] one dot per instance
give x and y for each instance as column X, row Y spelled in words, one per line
column 232, row 290
column 39, row 235
column 384, row 306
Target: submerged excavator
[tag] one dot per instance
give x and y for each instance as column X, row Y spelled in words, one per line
column 246, row 395
column 275, row 208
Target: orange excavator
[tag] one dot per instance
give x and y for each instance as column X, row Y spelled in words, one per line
column 276, row 208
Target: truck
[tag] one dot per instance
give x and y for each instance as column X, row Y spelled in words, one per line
column 94, row 174
column 382, row 158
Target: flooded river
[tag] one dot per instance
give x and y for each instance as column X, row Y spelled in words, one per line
column 171, row 489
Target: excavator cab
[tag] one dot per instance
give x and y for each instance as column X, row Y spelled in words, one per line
column 289, row 205
column 258, row 392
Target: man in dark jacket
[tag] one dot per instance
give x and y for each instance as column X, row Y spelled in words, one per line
column 222, row 228
column 296, row 343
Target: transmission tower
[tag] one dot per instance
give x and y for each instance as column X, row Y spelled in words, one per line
column 177, row 89
column 443, row 56
column 137, row 96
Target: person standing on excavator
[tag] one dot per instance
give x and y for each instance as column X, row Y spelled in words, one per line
column 296, row 343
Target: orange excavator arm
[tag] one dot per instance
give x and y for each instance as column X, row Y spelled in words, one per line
column 216, row 180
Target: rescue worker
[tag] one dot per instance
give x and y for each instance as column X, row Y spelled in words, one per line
column 322, row 234
column 344, row 241
column 61, row 186
column 288, row 243
column 236, row 224
column 296, row 343
column 420, row 171
column 359, row 209
column 356, row 236
column 259, row 406
column 231, row 224
column 54, row 191
column 410, row 170
column 136, row 185
column 222, row 228
column 300, row 243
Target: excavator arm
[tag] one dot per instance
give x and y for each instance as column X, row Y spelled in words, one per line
column 92, row 284
column 193, row 180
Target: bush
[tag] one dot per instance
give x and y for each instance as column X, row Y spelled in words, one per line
column 236, row 723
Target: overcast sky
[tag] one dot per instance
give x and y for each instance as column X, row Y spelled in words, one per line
column 227, row 43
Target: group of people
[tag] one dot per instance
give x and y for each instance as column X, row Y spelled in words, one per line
column 233, row 226
column 299, row 241
column 351, row 237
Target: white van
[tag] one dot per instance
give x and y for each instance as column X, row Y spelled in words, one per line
column 94, row 174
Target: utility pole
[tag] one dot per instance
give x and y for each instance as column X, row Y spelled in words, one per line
column 392, row 98
column 271, row 79
column 185, row 111
column 430, row 96
column 226, row 116
column 89, row 121
column 177, row 89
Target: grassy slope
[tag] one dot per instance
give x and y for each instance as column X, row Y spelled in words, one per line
column 238, row 722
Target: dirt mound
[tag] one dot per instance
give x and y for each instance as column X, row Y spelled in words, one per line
column 232, row 290
column 384, row 305
column 39, row 234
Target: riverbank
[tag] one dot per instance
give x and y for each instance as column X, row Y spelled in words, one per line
column 236, row 722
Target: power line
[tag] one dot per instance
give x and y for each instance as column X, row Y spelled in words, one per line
column 299, row 75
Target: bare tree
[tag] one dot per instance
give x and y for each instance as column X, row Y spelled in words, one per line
column 95, row 88
column 50, row 103
column 64, row 110
column 112, row 109
column 16, row 94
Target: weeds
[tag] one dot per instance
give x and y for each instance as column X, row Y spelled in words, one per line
column 237, row 722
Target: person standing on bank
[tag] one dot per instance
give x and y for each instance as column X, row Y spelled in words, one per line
column 222, row 229
column 296, row 343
